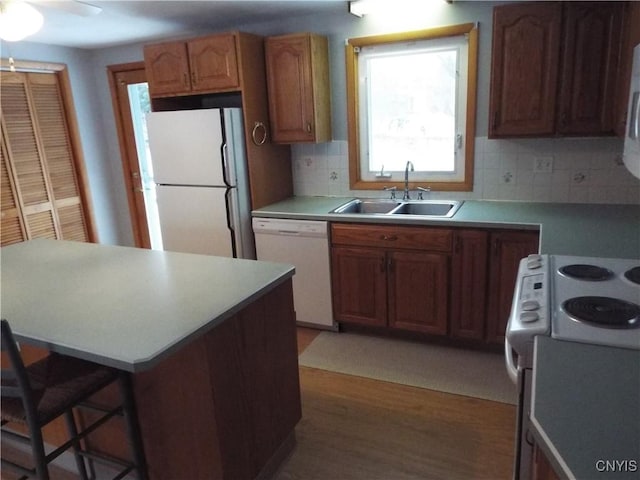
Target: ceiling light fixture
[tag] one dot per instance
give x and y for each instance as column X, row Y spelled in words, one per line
column 18, row 20
column 360, row 8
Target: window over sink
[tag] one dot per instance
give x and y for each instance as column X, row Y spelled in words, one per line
column 412, row 97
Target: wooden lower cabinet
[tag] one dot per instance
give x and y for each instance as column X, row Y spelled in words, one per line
column 469, row 284
column 440, row 281
column 359, row 285
column 418, row 285
column 508, row 247
column 388, row 277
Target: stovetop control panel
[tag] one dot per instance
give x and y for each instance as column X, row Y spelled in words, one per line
column 533, row 290
column 530, row 315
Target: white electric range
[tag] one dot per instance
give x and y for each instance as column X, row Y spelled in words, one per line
column 578, row 299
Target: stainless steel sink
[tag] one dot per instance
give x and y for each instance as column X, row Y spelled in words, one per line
column 430, row 208
column 423, row 208
column 367, row 206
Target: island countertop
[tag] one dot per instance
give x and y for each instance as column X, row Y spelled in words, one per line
column 586, row 408
column 599, row 230
column 123, row 307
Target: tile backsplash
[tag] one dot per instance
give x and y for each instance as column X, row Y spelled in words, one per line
column 566, row 170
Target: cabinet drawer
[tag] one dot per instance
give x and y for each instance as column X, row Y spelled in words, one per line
column 422, row 238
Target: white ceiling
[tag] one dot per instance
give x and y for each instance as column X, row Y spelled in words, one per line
column 131, row 21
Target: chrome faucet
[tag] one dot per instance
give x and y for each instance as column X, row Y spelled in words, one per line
column 406, row 180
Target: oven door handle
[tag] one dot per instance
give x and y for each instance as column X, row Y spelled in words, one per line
column 512, row 369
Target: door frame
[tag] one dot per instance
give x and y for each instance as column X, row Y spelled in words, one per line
column 120, row 77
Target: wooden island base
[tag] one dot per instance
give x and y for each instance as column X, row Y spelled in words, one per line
column 226, row 405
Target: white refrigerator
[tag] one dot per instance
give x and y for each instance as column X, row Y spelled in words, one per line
column 200, row 176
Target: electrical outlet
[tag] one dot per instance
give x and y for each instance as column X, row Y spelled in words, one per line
column 543, row 164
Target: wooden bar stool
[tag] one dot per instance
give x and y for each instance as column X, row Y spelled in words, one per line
column 37, row 394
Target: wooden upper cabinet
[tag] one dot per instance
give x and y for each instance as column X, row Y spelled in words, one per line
column 167, row 66
column 206, row 64
column 222, row 70
column 591, row 43
column 524, row 69
column 299, row 92
column 213, row 63
column 554, row 68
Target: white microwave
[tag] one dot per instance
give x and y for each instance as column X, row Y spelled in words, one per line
column 631, row 153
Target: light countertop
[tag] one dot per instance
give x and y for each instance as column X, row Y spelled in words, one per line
column 586, row 408
column 601, row 230
column 120, row 306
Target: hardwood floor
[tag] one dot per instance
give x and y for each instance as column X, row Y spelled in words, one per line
column 355, row 428
column 358, row 428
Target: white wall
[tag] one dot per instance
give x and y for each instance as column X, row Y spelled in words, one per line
column 322, row 169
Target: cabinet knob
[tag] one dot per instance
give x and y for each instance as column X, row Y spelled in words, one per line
column 389, row 238
column 308, row 127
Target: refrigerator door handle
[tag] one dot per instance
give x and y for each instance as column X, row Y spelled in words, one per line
column 230, row 223
column 225, row 165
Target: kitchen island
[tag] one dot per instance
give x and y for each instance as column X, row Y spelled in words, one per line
column 585, row 409
column 210, row 343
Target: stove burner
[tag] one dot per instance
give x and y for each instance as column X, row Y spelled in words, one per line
column 591, row 273
column 603, row 311
column 633, row 275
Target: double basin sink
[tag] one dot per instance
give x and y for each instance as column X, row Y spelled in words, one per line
column 425, row 208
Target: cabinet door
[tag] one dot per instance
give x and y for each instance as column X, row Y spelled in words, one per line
column 469, row 284
column 508, row 248
column 359, row 285
column 290, row 88
column 524, row 69
column 591, row 40
column 418, row 291
column 167, row 67
column 213, row 63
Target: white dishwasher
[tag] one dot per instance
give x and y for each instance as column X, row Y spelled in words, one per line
column 303, row 244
